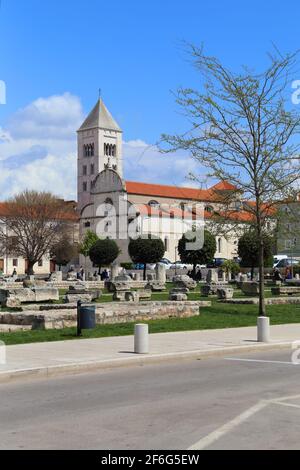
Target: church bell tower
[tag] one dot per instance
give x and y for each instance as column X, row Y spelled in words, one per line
column 99, row 147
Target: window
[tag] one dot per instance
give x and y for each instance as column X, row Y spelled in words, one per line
column 89, row 150
column 208, row 209
column 288, row 244
column 219, row 245
column 87, row 224
column 40, row 263
column 110, row 150
column 166, row 244
column 84, row 170
column 15, row 263
column 92, row 168
column 84, row 186
column 153, row 203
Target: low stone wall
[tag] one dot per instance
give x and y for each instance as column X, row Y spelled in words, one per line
column 67, row 284
column 270, row 301
column 107, row 313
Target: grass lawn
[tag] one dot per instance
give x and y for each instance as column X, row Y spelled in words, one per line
column 216, row 316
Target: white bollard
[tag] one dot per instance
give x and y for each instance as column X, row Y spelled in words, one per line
column 141, row 338
column 263, row 329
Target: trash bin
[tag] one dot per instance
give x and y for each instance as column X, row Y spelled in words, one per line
column 86, row 317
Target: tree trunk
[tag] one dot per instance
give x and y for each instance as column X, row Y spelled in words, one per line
column 145, row 268
column 252, row 273
column 30, row 271
column 194, row 271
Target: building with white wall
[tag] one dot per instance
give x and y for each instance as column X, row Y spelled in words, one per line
column 113, row 207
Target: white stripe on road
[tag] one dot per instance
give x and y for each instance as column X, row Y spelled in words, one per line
column 260, row 360
column 291, row 405
column 215, row 435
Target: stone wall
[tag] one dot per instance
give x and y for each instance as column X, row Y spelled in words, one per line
column 107, row 313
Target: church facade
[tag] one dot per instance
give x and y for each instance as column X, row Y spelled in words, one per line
column 119, row 209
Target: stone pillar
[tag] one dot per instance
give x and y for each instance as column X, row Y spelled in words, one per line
column 224, row 279
column 115, row 269
column 161, row 273
column 137, row 276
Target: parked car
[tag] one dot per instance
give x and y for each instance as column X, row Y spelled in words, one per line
column 150, row 266
column 286, row 262
column 166, row 262
column 180, row 265
column 277, row 258
column 217, row 262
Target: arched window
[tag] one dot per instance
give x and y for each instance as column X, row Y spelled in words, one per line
column 153, row 203
column 108, row 201
column 208, row 209
column 182, row 206
column 219, row 245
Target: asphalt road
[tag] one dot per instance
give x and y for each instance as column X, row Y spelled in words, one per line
column 218, row 403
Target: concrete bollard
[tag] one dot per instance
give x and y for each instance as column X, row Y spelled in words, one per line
column 141, row 338
column 263, row 329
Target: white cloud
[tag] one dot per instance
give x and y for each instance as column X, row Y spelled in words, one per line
column 143, row 162
column 38, row 147
column 38, row 150
column 54, row 117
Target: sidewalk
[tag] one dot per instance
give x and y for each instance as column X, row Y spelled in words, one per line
column 69, row 357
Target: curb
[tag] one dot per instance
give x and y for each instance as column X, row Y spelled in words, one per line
column 141, row 360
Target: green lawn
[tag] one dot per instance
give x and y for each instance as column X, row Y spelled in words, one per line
column 216, row 316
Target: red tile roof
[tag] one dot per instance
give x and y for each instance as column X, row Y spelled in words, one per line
column 175, row 192
column 178, row 192
column 224, row 186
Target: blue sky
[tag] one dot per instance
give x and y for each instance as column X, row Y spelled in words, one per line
column 55, row 54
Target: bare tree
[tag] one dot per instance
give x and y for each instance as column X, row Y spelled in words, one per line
column 242, row 130
column 32, row 225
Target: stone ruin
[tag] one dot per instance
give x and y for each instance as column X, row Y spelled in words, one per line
column 184, row 281
column 155, row 286
column 14, row 298
column 213, row 284
column 225, row 293
column 178, row 294
column 81, row 292
column 250, row 288
column 123, row 293
column 56, row 276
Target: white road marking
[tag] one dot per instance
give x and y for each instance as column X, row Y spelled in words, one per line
column 292, row 405
column 215, row 435
column 260, row 360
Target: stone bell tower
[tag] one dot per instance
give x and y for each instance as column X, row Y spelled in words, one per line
column 99, row 147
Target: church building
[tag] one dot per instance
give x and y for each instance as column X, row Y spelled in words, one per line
column 119, row 209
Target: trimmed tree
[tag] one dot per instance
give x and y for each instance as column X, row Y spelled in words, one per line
column 89, row 240
column 202, row 256
column 230, row 266
column 63, row 251
column 104, row 252
column 248, row 250
column 146, row 250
